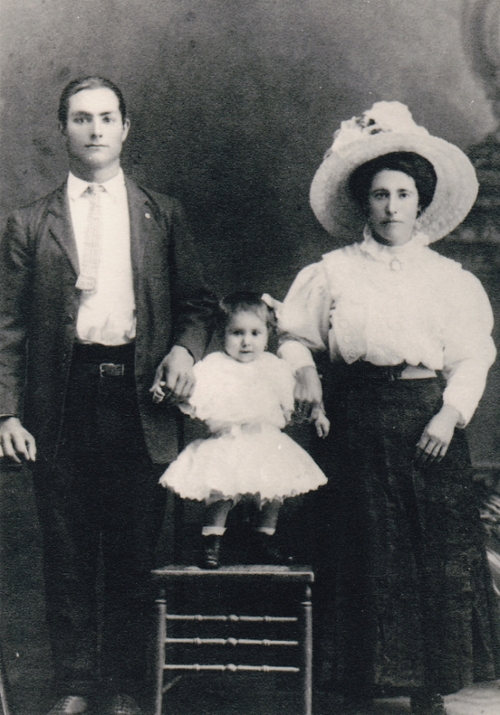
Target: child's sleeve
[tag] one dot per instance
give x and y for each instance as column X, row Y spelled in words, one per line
column 202, row 403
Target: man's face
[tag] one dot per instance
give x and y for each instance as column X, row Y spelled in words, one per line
column 95, row 130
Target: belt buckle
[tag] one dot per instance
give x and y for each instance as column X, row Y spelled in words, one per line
column 110, row 369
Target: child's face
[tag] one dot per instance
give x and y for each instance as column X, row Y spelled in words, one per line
column 246, row 336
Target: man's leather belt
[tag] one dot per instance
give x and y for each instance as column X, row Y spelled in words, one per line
column 107, row 369
column 105, row 361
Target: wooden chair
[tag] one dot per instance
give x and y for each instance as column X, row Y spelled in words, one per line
column 237, row 577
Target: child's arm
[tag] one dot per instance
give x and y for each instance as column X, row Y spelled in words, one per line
column 158, row 391
column 321, row 421
column 159, row 395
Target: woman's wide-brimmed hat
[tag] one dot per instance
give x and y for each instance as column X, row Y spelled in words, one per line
column 389, row 127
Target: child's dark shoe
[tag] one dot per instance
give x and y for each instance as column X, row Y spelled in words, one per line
column 264, row 549
column 211, row 552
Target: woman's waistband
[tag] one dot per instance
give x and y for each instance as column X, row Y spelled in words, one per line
column 364, row 370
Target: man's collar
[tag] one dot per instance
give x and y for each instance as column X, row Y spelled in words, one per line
column 114, row 186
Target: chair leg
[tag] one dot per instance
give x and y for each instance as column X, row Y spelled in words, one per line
column 160, row 652
column 308, row 650
column 4, row 685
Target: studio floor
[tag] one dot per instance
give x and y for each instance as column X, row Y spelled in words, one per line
column 259, row 699
column 198, row 696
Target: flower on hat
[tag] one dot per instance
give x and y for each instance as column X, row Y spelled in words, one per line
column 382, row 117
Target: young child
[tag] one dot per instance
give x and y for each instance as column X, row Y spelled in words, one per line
column 245, row 397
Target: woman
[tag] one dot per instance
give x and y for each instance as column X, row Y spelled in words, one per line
column 404, row 594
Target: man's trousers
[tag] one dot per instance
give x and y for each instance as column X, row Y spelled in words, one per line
column 100, row 509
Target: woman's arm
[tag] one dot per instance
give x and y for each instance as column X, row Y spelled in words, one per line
column 308, row 393
column 303, row 322
column 469, row 352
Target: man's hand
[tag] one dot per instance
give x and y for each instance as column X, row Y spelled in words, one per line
column 436, row 437
column 15, row 441
column 174, row 378
column 308, row 391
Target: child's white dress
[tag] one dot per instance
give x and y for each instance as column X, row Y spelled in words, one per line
column 245, row 406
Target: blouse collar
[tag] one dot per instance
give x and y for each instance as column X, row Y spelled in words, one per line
column 394, row 256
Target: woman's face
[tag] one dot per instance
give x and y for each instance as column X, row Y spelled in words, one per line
column 392, row 207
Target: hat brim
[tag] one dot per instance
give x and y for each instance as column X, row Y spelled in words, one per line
column 455, row 193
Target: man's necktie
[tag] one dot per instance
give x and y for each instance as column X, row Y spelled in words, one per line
column 89, row 261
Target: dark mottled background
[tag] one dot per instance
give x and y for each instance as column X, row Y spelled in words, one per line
column 233, row 103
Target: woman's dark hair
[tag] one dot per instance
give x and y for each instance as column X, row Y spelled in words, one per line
column 414, row 165
column 244, row 301
column 94, row 82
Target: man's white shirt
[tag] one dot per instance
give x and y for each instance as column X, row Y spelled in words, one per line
column 106, row 316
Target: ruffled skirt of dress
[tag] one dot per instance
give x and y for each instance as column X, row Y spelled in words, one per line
column 256, row 459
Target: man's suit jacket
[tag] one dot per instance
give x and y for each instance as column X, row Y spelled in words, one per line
column 39, row 305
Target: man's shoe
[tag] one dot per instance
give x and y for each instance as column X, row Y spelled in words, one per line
column 357, row 705
column 427, row 704
column 70, row 705
column 122, row 705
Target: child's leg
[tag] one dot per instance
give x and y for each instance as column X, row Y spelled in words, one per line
column 215, row 517
column 264, row 548
column 269, row 517
column 215, row 526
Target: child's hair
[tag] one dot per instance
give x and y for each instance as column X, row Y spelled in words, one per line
column 244, row 301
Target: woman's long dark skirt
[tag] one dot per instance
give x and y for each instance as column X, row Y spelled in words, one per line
column 404, row 597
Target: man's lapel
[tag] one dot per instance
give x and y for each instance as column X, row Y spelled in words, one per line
column 60, row 225
column 141, row 225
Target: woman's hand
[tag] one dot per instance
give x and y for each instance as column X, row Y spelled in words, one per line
column 308, row 391
column 321, row 421
column 436, row 437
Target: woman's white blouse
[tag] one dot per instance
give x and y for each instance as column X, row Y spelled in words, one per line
column 389, row 305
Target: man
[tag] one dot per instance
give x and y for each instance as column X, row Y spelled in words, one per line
column 100, row 291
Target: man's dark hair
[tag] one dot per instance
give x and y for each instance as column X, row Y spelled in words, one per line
column 414, row 165
column 93, row 82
